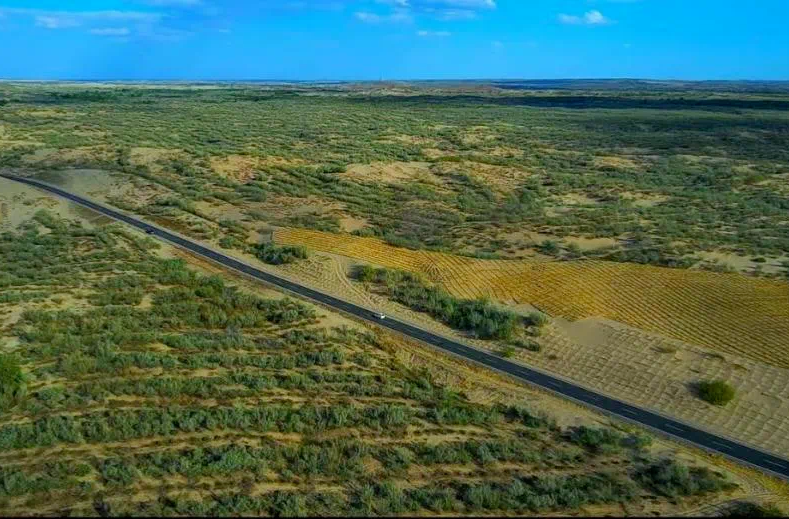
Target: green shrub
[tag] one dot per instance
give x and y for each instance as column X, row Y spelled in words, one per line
column 507, row 352
column 274, row 255
column 716, row 392
column 479, row 316
column 12, row 379
column 671, row 479
column 549, row 247
column 527, row 344
column 596, row 441
column 748, row 509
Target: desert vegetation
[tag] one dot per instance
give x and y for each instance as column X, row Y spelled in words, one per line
column 479, row 317
column 716, row 392
column 663, row 179
column 161, row 391
column 703, row 308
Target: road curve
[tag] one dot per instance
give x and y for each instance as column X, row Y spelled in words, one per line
column 675, row 429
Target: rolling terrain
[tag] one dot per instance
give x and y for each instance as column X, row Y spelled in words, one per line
column 150, row 388
column 645, row 221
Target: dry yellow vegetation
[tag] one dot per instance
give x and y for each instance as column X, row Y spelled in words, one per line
column 726, row 312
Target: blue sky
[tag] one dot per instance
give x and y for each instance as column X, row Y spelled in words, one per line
column 393, row 39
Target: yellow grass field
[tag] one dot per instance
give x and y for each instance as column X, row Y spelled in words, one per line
column 727, row 312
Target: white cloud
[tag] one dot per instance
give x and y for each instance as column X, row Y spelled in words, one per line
column 396, row 16
column 434, row 34
column 444, row 10
column 111, row 31
column 452, row 4
column 593, row 17
column 367, row 17
column 174, row 3
column 55, row 22
column 71, row 19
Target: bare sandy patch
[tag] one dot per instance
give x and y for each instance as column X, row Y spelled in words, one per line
column 573, row 199
column 349, row 224
column 410, row 139
column 475, row 135
column 150, row 157
column 243, row 167
column 644, row 199
column 588, row 244
column 8, row 140
column 238, row 167
column 436, row 153
column 660, row 373
column 615, row 161
column 501, row 178
column 82, row 132
column 19, row 203
column 505, row 152
column 743, row 263
column 74, row 156
column 392, row 172
column 49, row 113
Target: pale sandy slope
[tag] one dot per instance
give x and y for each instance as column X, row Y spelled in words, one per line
column 643, row 368
column 731, row 313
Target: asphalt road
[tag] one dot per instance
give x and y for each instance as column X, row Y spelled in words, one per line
column 667, row 426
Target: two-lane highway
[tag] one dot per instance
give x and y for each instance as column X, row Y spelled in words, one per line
column 662, row 424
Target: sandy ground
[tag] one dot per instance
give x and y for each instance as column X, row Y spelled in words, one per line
column 645, row 369
column 328, row 273
column 639, row 367
column 19, row 203
column 730, row 313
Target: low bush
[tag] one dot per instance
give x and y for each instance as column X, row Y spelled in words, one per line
column 596, row 441
column 507, row 352
column 748, row 509
column 12, row 380
column 671, row 479
column 527, row 344
column 716, row 392
column 479, row 316
column 274, row 255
